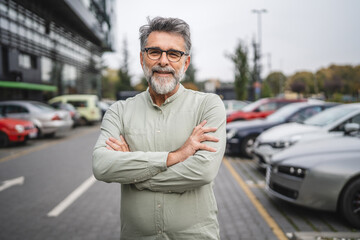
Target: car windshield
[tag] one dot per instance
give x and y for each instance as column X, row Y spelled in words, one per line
column 252, row 106
column 329, row 116
column 41, row 107
column 283, row 113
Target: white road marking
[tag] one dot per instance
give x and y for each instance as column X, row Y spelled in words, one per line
column 12, row 182
column 72, row 197
column 259, row 184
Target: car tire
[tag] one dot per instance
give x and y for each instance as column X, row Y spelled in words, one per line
column 83, row 121
column 39, row 133
column 4, row 140
column 246, row 146
column 350, row 203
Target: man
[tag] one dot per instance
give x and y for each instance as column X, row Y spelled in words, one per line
column 164, row 145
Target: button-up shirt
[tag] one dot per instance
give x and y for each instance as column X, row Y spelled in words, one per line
column 160, row 202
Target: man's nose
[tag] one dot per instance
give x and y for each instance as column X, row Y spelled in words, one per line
column 163, row 59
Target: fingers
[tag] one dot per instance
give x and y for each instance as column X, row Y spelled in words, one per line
column 207, row 148
column 117, row 145
column 209, row 138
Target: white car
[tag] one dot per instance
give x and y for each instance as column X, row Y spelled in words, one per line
column 331, row 121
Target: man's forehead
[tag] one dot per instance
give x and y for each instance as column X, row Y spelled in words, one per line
column 166, row 40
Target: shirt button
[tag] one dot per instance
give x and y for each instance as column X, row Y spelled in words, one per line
column 159, row 231
column 159, row 206
column 158, row 131
column 135, row 180
column 170, row 192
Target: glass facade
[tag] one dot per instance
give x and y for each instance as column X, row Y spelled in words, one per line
column 39, row 45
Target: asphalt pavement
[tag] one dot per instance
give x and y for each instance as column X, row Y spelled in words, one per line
column 47, row 192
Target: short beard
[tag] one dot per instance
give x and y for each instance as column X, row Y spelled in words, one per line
column 163, row 85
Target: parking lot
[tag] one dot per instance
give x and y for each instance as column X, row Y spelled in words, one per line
column 47, row 192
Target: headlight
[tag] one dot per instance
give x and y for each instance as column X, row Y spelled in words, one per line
column 290, row 170
column 286, row 143
column 230, row 134
column 19, row 128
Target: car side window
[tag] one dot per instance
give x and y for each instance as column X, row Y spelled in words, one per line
column 341, row 127
column 305, row 114
column 78, row 103
column 10, row 109
column 271, row 106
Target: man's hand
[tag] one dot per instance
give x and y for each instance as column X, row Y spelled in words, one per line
column 117, row 145
column 193, row 144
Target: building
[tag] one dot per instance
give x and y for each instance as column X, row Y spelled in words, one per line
column 53, row 47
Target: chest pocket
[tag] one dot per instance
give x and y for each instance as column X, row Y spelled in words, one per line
column 136, row 139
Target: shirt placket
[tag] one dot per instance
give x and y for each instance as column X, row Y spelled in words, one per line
column 159, row 198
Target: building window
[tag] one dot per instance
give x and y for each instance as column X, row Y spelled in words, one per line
column 27, row 61
column 46, row 68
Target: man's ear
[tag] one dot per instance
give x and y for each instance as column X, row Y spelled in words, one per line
column 141, row 59
column 187, row 62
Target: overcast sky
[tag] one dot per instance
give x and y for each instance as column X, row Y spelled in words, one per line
column 297, row 35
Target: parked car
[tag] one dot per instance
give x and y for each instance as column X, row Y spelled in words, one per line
column 46, row 119
column 320, row 174
column 75, row 115
column 234, row 105
column 260, row 109
column 103, row 107
column 241, row 135
column 330, row 121
column 15, row 131
column 85, row 104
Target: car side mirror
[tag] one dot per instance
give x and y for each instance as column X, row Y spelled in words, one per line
column 351, row 127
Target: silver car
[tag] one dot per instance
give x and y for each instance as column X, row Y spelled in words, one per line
column 320, row 174
column 330, row 121
column 47, row 120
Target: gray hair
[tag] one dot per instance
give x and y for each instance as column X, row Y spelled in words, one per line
column 171, row 25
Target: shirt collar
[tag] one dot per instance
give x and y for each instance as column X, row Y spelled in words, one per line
column 170, row 99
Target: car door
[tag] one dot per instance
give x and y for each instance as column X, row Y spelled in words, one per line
column 17, row 111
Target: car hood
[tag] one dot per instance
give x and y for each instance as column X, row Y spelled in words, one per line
column 250, row 124
column 286, row 131
column 310, row 152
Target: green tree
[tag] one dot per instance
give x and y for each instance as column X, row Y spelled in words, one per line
column 240, row 60
column 302, row 83
column 190, row 73
column 276, row 82
column 124, row 83
column 265, row 90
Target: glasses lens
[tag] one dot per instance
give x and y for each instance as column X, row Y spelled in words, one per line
column 154, row 54
column 173, row 56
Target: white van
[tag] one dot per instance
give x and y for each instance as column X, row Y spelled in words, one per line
column 85, row 104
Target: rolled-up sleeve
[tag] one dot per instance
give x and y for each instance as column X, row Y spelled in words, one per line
column 203, row 166
column 123, row 167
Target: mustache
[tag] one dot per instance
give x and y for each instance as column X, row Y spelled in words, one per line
column 158, row 68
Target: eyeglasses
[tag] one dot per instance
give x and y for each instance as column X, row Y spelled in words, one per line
column 172, row 55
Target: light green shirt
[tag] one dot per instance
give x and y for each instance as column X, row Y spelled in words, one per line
column 160, row 202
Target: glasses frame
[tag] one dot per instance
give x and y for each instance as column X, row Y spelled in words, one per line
column 163, row 51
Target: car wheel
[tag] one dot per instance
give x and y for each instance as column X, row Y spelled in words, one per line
column 246, row 146
column 4, row 140
column 350, row 203
column 83, row 121
column 39, row 133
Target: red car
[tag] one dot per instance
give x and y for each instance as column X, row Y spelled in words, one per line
column 15, row 130
column 260, row 109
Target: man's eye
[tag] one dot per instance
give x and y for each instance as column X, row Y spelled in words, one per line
column 154, row 52
column 174, row 54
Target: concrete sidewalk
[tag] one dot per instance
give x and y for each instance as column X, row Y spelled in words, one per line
column 238, row 217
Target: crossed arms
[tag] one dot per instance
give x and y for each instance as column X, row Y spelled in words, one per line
column 194, row 164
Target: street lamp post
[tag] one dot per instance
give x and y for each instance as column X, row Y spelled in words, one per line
column 258, row 50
